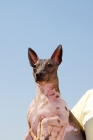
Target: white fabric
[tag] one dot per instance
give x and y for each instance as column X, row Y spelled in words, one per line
column 83, row 110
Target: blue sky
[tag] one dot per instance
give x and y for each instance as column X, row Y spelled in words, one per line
column 42, row 25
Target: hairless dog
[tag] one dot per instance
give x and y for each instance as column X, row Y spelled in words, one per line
column 48, row 107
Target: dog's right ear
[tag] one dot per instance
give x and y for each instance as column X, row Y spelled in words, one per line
column 32, row 56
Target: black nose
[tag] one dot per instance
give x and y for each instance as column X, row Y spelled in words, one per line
column 39, row 74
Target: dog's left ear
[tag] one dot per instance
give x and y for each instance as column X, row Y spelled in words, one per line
column 32, row 56
column 57, row 55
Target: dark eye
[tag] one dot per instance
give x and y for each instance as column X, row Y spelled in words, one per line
column 34, row 66
column 49, row 65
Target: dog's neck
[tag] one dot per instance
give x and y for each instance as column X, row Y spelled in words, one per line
column 49, row 90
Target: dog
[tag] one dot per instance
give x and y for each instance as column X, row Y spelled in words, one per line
column 48, row 102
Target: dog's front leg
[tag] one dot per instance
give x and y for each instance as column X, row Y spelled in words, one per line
column 58, row 121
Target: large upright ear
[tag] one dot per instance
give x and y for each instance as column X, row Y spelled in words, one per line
column 57, row 55
column 32, row 56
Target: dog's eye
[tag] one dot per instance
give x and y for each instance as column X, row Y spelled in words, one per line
column 49, row 65
column 34, row 66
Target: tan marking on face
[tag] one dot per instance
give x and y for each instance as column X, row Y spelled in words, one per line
column 57, row 107
column 66, row 108
column 58, row 121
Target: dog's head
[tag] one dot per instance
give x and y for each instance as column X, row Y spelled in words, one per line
column 45, row 70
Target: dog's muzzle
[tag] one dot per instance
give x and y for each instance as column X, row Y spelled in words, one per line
column 39, row 76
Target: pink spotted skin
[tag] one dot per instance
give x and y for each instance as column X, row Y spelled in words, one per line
column 47, row 105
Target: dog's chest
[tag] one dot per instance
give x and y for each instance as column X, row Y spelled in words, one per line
column 46, row 108
column 42, row 106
